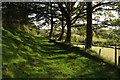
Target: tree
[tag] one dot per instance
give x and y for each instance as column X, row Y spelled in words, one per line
column 69, row 11
column 89, row 26
column 16, row 13
column 51, row 30
column 62, row 25
column 66, row 12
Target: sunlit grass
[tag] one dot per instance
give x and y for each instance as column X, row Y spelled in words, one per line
column 29, row 56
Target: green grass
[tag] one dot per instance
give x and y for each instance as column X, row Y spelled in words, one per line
column 0, row 66
column 99, row 39
column 28, row 56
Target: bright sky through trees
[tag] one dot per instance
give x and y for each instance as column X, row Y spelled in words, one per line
column 104, row 16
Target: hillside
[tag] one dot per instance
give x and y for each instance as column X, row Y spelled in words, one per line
column 28, row 56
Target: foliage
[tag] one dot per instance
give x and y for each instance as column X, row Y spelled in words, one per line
column 103, row 33
column 14, row 13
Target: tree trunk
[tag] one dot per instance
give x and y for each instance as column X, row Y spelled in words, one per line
column 61, row 35
column 62, row 31
column 89, row 26
column 51, row 30
column 68, row 37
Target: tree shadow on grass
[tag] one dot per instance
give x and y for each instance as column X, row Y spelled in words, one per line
column 108, row 70
column 69, row 48
column 50, row 60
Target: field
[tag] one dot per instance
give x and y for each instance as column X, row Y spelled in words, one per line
column 108, row 53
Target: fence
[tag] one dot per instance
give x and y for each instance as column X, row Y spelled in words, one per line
column 117, row 56
column 114, row 54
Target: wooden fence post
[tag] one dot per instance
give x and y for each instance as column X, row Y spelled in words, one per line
column 99, row 51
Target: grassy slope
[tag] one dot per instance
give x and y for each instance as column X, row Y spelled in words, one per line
column 28, row 56
column 0, row 54
column 0, row 66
